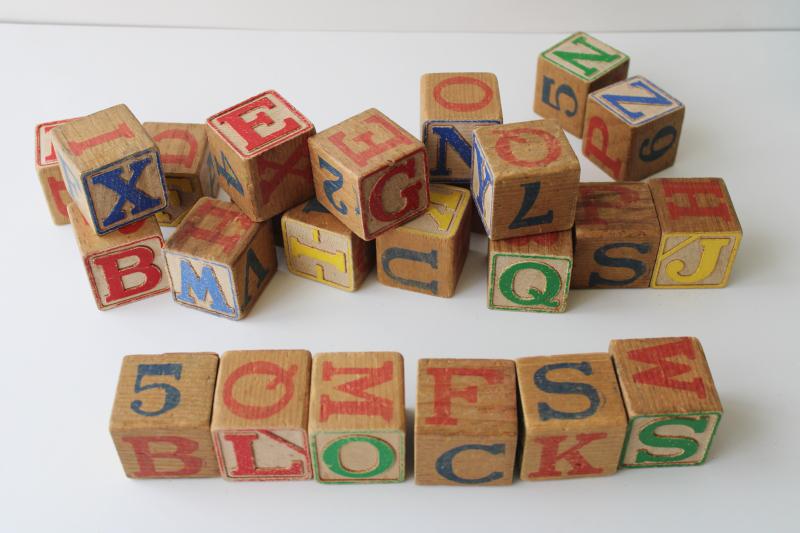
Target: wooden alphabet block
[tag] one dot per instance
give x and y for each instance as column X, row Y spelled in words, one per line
column 573, row 416
column 259, row 152
column 184, row 158
column 260, row 416
column 161, row 416
column 123, row 266
column 427, row 254
column 111, row 168
column 617, row 236
column 357, row 418
column 55, row 192
column 465, row 428
column 319, row 247
column 632, row 129
column 700, row 233
column 568, row 72
column 219, row 260
column 453, row 104
column 370, row 173
column 530, row 273
column 672, row 403
column 525, row 179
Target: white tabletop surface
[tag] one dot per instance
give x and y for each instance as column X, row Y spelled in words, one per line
column 59, row 470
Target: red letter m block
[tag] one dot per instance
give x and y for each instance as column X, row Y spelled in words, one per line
column 366, row 403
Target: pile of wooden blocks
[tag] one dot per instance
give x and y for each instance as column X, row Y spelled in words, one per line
column 340, row 418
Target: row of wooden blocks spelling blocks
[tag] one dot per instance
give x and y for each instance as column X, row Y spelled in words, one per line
column 367, row 179
column 278, row 415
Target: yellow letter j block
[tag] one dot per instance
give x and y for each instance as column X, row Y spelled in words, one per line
column 691, row 260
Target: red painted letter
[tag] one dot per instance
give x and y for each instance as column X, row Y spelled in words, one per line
column 664, row 370
column 362, row 158
column 410, row 193
column 280, row 377
column 247, row 128
column 115, row 276
column 504, row 146
column 246, row 461
column 465, row 106
column 122, row 130
column 178, row 159
column 600, row 152
column 550, row 456
column 443, row 393
column 184, row 448
column 371, row 405
column 692, row 191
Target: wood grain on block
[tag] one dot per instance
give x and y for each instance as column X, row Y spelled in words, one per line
column 49, row 173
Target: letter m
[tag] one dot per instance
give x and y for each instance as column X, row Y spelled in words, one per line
column 204, row 286
column 664, row 369
column 368, row 404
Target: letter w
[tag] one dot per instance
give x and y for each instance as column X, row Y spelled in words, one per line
column 664, row 370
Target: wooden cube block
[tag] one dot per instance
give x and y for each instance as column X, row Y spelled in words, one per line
column 319, row 247
column 573, row 416
column 55, row 192
column 184, row 158
column 700, row 233
column 465, row 428
column 525, row 179
column 672, row 403
column 568, row 72
column 124, row 266
column 219, row 260
column 162, row 411
column 632, row 129
column 617, row 235
column 530, row 273
column 452, row 105
column 370, row 173
column 260, row 154
column 260, row 416
column 357, row 418
column 111, row 168
column 427, row 254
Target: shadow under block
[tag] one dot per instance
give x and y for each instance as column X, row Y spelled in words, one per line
column 632, row 129
column 49, row 172
column 260, row 419
column 427, row 254
column 617, row 236
column 184, row 159
column 568, row 72
column 161, row 418
column 573, row 416
column 672, row 403
column 357, row 417
column 700, row 233
column 452, row 105
column 530, row 273
column 465, row 428
column 219, row 260
column 111, row 167
column 124, row 266
column 369, row 173
column 259, row 153
column 525, row 179
column 320, row 248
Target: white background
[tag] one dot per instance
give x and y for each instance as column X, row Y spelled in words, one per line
column 58, row 467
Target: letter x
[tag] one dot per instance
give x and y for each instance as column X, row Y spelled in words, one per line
column 290, row 167
column 126, row 190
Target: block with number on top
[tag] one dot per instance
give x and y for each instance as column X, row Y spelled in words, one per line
column 370, row 173
column 55, row 192
column 672, row 403
column 260, row 416
column 700, row 233
column 357, row 417
column 525, row 179
column 161, row 415
column 319, row 247
column 219, row 260
column 632, row 129
column 111, row 168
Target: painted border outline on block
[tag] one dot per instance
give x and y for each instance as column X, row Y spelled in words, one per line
column 401, row 453
column 348, row 258
column 737, row 238
column 623, row 57
column 229, row 270
column 669, row 415
column 224, row 468
column 492, row 271
column 596, row 98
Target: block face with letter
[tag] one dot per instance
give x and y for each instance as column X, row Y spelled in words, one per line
column 161, row 415
column 573, row 416
column 452, row 105
column 525, row 179
column 49, row 172
column 671, row 400
column 357, row 418
column 530, row 273
column 258, row 151
column 427, row 254
column 370, row 173
column 111, row 167
column 219, row 260
column 632, row 129
column 465, row 427
column 568, row 72
column 617, row 236
column 700, row 233
column 260, row 419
